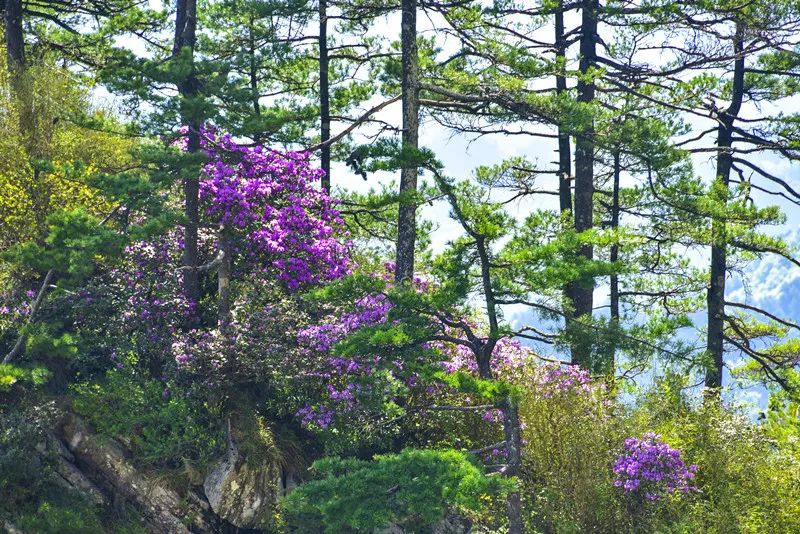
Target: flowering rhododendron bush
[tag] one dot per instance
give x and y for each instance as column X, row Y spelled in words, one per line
column 650, row 468
column 282, row 233
column 269, row 203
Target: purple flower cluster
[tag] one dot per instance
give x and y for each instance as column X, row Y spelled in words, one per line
column 340, row 373
column 508, row 355
column 553, row 380
column 369, row 310
column 651, row 468
column 320, row 416
column 270, row 199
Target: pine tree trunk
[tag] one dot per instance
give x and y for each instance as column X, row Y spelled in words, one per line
column 580, row 292
column 614, row 256
column 406, row 222
column 15, row 38
column 719, row 267
column 185, row 38
column 255, row 94
column 564, row 153
column 324, row 95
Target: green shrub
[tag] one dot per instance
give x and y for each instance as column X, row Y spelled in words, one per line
column 163, row 429
column 12, row 374
column 62, row 518
column 747, row 484
column 570, row 435
column 748, row 476
column 412, row 489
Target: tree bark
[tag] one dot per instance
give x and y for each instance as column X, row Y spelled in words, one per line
column 224, row 316
column 324, row 96
column 15, row 38
column 614, row 256
column 580, row 292
column 19, row 346
column 185, row 39
column 406, row 221
column 255, row 94
column 715, row 297
column 512, row 434
column 564, row 153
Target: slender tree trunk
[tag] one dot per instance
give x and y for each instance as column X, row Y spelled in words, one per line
column 580, row 292
column 19, row 346
column 185, row 39
column 512, row 433
column 719, row 267
column 324, row 95
column 564, row 152
column 224, row 316
column 614, row 256
column 255, row 94
column 15, row 38
column 406, row 221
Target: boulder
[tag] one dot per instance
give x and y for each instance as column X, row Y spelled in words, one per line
column 244, row 487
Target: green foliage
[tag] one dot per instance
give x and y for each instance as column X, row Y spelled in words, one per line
column 782, row 422
column 74, row 241
column 48, row 150
column 163, row 429
column 66, row 518
column 567, row 481
column 25, row 475
column 11, row 374
column 487, row 390
column 412, row 489
column 746, row 483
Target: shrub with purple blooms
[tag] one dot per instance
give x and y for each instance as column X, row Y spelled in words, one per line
column 269, row 200
column 651, row 469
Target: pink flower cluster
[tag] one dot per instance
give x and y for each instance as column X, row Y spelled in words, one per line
column 508, row 355
column 553, row 379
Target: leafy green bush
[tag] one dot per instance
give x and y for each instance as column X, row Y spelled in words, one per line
column 12, row 374
column 162, row 429
column 748, row 481
column 63, row 518
column 412, row 489
column 570, row 435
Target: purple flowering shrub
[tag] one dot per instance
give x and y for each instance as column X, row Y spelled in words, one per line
column 345, row 382
column 283, row 235
column 650, row 468
column 508, row 357
column 14, row 308
column 269, row 205
column 134, row 307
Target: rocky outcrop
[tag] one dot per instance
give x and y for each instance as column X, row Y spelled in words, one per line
column 101, row 466
column 68, row 474
column 452, row 524
column 244, row 487
column 240, row 493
